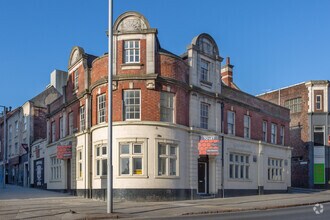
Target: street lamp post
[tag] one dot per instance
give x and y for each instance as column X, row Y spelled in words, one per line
column 109, row 164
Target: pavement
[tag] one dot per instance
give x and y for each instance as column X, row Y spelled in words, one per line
column 27, row 203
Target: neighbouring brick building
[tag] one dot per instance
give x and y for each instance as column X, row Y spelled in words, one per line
column 309, row 130
column 164, row 107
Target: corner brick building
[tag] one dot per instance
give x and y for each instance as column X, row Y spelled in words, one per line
column 309, row 130
column 164, row 105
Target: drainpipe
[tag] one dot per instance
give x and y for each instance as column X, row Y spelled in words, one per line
column 222, row 152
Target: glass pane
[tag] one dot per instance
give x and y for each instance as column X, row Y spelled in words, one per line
column 124, row 165
column 231, row 157
column 172, row 166
column 247, row 172
column 173, row 150
column 104, row 150
column 98, row 167
column 124, row 149
column 137, row 149
column 161, row 149
column 242, row 159
column 247, row 159
column 161, row 166
column 236, row 158
column 98, row 151
column 242, row 172
column 137, row 165
column 236, row 171
column 104, row 167
column 231, row 171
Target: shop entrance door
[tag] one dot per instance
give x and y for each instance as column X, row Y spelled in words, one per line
column 202, row 177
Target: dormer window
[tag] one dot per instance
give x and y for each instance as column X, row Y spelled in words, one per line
column 204, row 70
column 132, row 51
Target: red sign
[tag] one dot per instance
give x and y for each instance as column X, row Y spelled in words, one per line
column 209, row 145
column 64, row 152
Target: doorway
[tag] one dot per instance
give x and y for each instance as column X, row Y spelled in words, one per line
column 68, row 175
column 203, row 177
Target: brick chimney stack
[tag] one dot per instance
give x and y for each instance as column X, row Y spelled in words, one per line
column 227, row 74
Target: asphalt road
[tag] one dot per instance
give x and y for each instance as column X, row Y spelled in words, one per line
column 294, row 213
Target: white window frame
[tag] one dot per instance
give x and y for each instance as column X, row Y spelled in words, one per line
column 101, row 108
column 204, row 115
column 205, row 70
column 55, row 168
column 247, row 126
column 132, row 151
column 134, row 105
column 273, row 138
column 79, row 160
column 264, row 131
column 231, row 123
column 100, row 156
column 318, row 102
column 75, row 80
column 275, row 169
column 167, row 107
column 171, row 160
column 239, row 166
column 82, row 117
column 132, row 51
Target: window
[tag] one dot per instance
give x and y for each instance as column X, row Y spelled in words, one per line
column 319, row 136
column 82, row 118
column 204, row 70
column 239, row 166
column 79, row 164
column 131, row 158
column 132, row 51
column 275, row 169
column 101, row 160
column 293, row 104
column 282, row 135
column 166, row 106
column 9, row 153
column 16, row 128
column 273, row 139
column 76, row 80
column 101, row 108
column 264, row 131
column 318, row 102
column 55, row 168
column 10, row 133
column 132, row 104
column 53, row 131
column 204, row 115
column 70, row 123
column 167, row 159
column 16, row 148
column 61, row 128
column 247, row 125
column 231, row 122
column 25, row 122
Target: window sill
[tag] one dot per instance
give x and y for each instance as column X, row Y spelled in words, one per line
column 131, row 66
column 206, row 83
column 79, row 179
column 100, row 177
column 239, row 180
column 132, row 176
column 55, row 181
column 167, row 177
column 275, row 181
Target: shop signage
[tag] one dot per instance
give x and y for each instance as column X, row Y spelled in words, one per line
column 209, row 145
column 64, row 152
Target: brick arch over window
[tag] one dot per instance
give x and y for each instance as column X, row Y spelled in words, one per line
column 206, row 44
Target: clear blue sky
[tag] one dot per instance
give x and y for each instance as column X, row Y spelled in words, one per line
column 272, row 43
